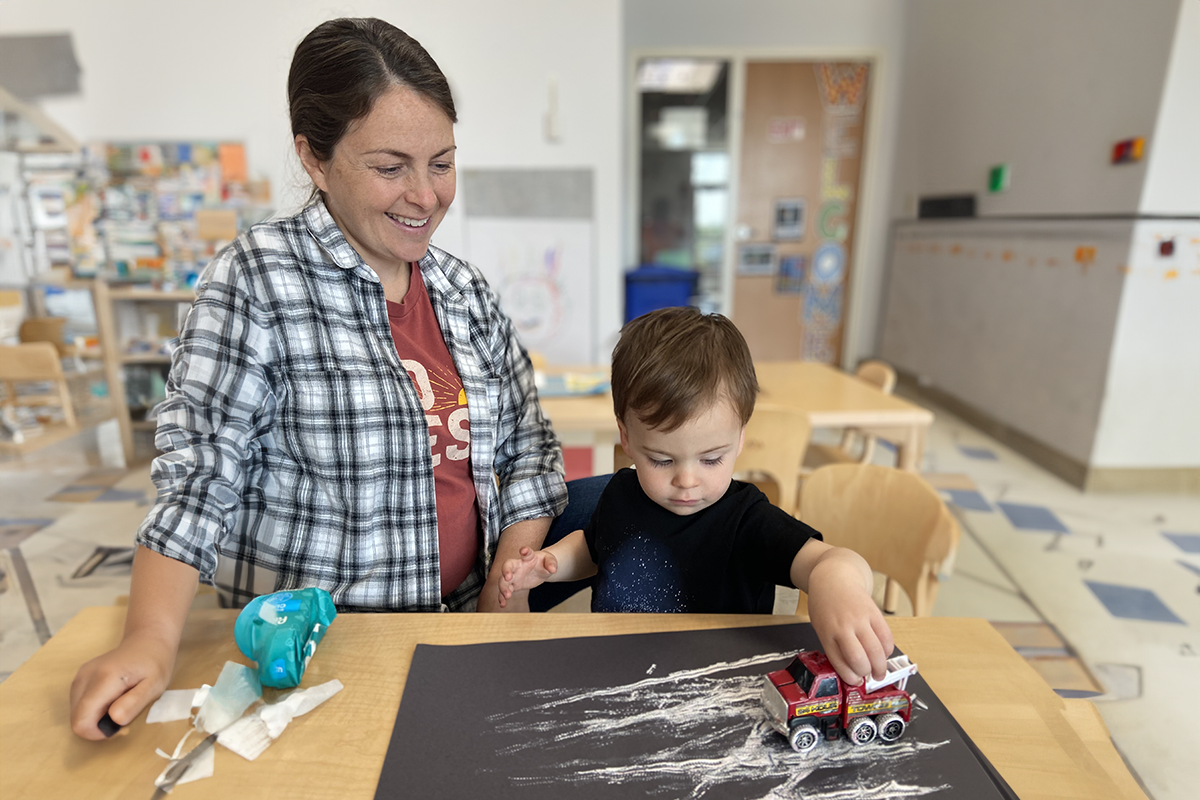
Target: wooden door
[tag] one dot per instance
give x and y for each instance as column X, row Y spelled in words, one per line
column 801, row 149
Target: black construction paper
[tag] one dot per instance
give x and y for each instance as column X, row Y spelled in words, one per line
column 658, row 714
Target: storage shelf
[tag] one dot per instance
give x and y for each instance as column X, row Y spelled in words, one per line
column 145, row 358
column 152, row 295
column 108, row 299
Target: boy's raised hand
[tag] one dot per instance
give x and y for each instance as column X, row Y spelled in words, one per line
column 852, row 630
column 532, row 569
column 856, row 638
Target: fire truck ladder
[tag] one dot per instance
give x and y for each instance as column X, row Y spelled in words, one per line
column 898, row 671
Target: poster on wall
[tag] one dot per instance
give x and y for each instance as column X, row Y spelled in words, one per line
column 793, row 271
column 541, row 271
column 790, row 219
column 756, row 260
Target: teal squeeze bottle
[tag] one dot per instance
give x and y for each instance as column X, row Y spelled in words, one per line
column 280, row 632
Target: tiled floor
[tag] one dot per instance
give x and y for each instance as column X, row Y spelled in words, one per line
column 1099, row 592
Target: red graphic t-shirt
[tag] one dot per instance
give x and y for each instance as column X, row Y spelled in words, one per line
column 424, row 354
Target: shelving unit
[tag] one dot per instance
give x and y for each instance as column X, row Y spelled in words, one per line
column 120, row 312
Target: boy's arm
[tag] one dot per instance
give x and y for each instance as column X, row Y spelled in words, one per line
column 124, row 680
column 856, row 638
column 566, row 560
column 526, row 534
column 574, row 561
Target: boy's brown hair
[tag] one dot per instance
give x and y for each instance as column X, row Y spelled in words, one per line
column 674, row 363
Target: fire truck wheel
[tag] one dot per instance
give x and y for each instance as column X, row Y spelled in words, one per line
column 803, row 738
column 891, row 727
column 862, row 730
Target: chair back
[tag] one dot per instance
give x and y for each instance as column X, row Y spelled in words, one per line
column 880, row 375
column 776, row 438
column 35, row 362
column 877, row 373
column 893, row 519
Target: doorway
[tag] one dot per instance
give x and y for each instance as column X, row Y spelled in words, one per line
column 762, row 204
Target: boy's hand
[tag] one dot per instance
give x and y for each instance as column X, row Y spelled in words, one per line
column 852, row 630
column 119, row 683
column 856, row 638
column 532, row 569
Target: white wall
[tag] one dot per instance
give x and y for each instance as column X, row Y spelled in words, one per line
column 1047, row 87
column 1152, row 396
column 218, row 70
column 1173, row 172
column 805, row 28
column 1149, row 414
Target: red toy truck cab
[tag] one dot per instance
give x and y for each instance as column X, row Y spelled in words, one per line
column 807, row 701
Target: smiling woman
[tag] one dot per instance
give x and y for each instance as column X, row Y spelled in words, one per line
column 348, row 406
column 388, row 182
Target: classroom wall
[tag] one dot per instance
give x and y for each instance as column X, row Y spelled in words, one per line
column 1152, row 392
column 1173, row 160
column 1045, row 87
column 804, row 28
column 153, row 70
column 1011, row 318
column 1097, row 354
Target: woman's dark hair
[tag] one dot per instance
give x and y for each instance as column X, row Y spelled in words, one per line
column 343, row 66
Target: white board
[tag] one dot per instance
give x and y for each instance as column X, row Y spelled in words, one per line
column 542, row 270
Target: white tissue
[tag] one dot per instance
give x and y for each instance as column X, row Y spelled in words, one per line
column 251, row 735
column 202, row 767
column 236, row 688
column 176, row 704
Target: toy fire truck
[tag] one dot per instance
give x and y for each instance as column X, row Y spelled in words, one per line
column 807, row 701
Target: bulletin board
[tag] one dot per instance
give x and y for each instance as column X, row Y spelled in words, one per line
column 801, row 153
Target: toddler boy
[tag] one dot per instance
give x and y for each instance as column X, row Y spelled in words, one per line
column 677, row 533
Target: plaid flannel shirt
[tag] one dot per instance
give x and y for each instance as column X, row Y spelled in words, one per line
column 295, row 451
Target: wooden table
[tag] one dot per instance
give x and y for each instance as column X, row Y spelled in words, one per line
column 835, row 399
column 830, row 397
column 1044, row 746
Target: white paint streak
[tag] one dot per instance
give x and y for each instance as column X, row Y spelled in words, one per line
column 708, row 732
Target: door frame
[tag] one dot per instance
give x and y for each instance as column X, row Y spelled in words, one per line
column 872, row 182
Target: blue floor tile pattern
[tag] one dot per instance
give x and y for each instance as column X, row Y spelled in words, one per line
column 1187, row 542
column 966, row 499
column 978, row 453
column 1032, row 518
column 1130, row 602
column 1187, row 566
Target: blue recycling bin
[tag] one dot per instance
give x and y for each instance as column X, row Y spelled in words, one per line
column 650, row 287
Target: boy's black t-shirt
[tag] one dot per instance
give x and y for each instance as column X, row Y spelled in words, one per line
column 725, row 559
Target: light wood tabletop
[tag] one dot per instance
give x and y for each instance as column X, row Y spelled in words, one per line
column 1044, row 746
column 831, row 399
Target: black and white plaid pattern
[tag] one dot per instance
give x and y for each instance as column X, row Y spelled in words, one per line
column 295, row 450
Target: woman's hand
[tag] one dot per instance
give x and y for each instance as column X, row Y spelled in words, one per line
column 533, row 568
column 124, row 680
column 120, row 683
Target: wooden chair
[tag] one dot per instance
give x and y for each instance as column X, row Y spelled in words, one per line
column 880, row 375
column 36, row 362
column 47, row 329
column 776, row 438
column 893, row 519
